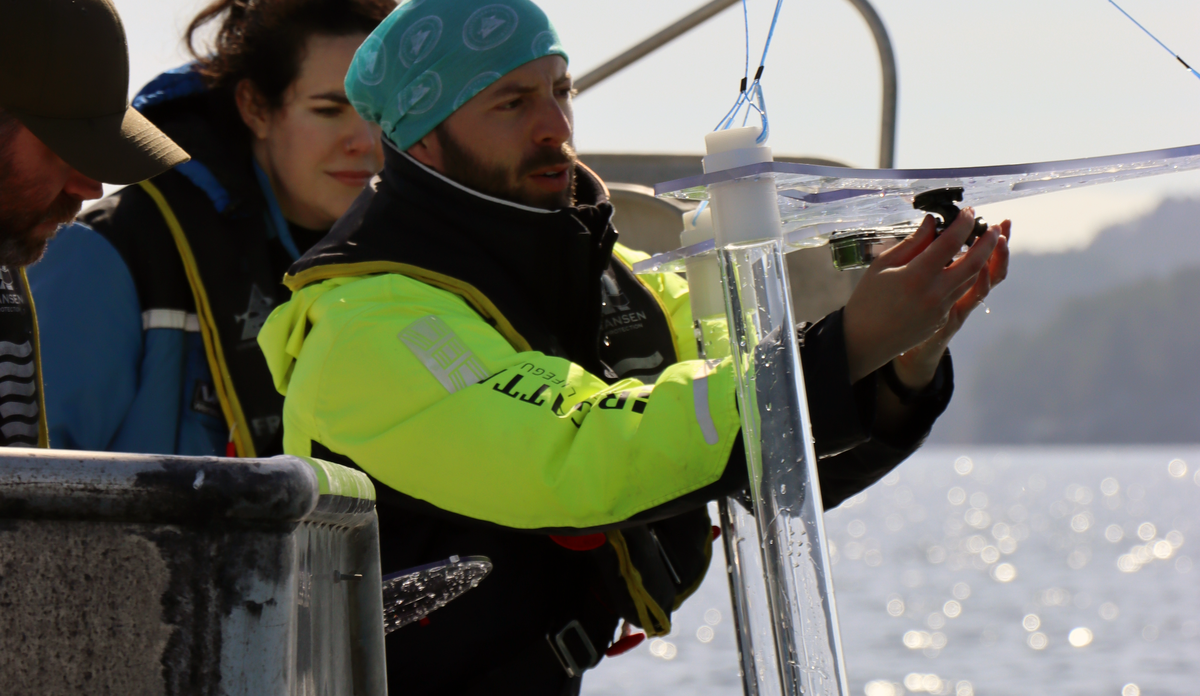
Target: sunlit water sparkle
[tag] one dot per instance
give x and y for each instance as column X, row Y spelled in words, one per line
column 990, row 573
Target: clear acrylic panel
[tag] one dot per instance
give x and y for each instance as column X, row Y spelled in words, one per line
column 816, row 201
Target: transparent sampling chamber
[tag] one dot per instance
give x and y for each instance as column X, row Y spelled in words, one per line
column 733, row 253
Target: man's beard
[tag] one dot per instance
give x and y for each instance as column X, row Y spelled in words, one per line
column 471, row 171
column 21, row 243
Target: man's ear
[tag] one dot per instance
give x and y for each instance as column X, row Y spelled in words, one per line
column 253, row 108
column 428, row 151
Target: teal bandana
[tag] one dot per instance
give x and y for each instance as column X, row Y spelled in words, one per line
column 429, row 57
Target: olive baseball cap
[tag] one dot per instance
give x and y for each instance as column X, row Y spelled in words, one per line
column 64, row 74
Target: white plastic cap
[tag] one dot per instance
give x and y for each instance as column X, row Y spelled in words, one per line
column 697, row 228
column 735, row 147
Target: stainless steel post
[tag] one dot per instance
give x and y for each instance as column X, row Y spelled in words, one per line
column 655, row 42
column 887, row 67
column 883, row 42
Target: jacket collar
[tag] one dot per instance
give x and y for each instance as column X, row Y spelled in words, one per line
column 592, row 208
column 469, row 191
column 205, row 123
column 541, row 268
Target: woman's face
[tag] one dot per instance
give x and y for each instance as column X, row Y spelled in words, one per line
column 316, row 150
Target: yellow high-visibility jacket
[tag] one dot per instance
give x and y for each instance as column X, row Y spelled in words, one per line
column 499, row 370
column 401, row 372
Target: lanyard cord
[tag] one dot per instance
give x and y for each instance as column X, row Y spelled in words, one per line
column 277, row 225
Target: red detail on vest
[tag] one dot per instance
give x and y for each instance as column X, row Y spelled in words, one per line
column 230, row 449
column 424, row 621
column 587, row 542
column 716, row 532
column 626, row 644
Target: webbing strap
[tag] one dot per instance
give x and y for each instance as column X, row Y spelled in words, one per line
column 222, row 380
column 43, row 428
column 651, row 616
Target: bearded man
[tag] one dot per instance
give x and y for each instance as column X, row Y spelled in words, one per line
column 65, row 126
column 448, row 339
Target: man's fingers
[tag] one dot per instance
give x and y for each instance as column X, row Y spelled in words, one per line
column 960, row 294
column 943, row 249
column 998, row 264
column 966, row 268
column 981, row 288
column 971, row 298
column 970, row 284
column 911, row 246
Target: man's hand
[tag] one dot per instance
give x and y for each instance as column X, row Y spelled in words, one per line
column 915, row 297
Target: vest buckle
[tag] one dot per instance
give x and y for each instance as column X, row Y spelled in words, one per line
column 558, row 646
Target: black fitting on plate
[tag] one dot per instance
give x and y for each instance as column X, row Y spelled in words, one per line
column 941, row 202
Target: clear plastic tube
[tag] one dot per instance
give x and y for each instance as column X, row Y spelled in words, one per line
column 751, row 608
column 783, row 477
column 747, row 585
column 739, row 531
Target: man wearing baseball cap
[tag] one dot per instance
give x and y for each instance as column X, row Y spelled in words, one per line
column 65, row 127
column 472, row 336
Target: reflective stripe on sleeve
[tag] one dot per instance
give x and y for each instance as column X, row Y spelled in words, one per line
column 700, row 398
column 170, row 319
column 631, row 364
column 443, row 353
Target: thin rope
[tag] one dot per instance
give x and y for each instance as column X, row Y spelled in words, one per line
column 749, row 92
column 1156, row 39
column 771, row 33
column 746, row 26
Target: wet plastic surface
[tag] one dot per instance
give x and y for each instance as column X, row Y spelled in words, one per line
column 783, row 475
column 816, row 201
column 748, row 594
column 411, row 595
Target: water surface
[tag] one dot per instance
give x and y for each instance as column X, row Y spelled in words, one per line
column 991, row 572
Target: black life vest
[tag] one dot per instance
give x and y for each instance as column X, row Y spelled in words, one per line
column 197, row 267
column 550, row 282
column 22, row 401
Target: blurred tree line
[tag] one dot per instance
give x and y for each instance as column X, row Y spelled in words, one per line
column 1099, row 345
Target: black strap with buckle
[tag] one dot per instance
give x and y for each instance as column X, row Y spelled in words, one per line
column 570, row 645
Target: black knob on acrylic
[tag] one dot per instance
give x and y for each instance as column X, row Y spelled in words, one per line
column 941, row 202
